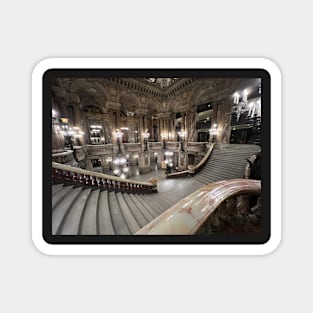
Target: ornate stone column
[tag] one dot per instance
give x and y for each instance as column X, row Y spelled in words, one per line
column 141, row 113
column 59, row 104
column 222, row 118
column 73, row 100
column 191, row 125
column 115, row 107
column 182, row 161
column 144, row 163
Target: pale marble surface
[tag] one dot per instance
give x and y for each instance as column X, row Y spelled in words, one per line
column 186, row 216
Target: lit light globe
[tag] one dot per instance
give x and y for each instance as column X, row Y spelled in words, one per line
column 116, row 171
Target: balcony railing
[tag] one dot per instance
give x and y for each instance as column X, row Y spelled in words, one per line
column 203, row 211
column 172, row 145
column 64, row 157
column 155, row 145
column 99, row 149
column 79, row 177
column 196, row 146
column 79, row 153
column 132, row 147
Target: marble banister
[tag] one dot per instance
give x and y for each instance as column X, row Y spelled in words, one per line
column 247, row 170
column 188, row 215
column 191, row 168
column 196, row 146
column 78, row 176
column 64, row 157
column 79, row 153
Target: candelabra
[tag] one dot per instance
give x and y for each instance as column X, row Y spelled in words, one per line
column 240, row 105
column 120, row 168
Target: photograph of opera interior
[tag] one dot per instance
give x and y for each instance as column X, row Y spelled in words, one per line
column 156, row 156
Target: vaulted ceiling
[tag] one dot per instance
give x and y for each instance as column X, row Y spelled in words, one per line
column 155, row 95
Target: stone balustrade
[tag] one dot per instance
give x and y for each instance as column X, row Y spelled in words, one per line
column 64, row 157
column 155, row 145
column 196, row 146
column 132, row 147
column 79, row 177
column 193, row 169
column 98, row 149
column 79, row 153
column 172, row 145
column 207, row 210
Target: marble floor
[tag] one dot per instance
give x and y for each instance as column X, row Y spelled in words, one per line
column 173, row 189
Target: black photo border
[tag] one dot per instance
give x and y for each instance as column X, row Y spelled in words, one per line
column 51, row 74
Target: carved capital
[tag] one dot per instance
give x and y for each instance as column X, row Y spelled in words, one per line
column 115, row 106
column 141, row 111
column 164, row 115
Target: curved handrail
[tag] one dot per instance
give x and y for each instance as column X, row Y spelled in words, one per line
column 63, row 153
column 189, row 214
column 193, row 169
column 247, row 170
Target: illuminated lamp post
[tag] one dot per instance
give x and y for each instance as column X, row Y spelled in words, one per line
column 118, row 135
column 182, row 135
column 213, row 132
column 146, row 135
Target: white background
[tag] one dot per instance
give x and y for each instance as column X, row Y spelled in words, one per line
column 34, row 30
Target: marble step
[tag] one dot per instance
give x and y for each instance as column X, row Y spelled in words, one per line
column 61, row 209
column 140, row 218
column 147, row 214
column 105, row 225
column 129, row 218
column 71, row 222
column 157, row 203
column 166, row 200
column 59, row 195
column 118, row 221
column 148, row 205
column 56, row 188
column 88, row 224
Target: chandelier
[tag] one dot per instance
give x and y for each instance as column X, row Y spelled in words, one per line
column 121, row 169
column 241, row 104
column 120, row 163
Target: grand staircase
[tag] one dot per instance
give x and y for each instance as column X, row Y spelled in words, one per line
column 226, row 162
column 89, row 211
column 84, row 211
